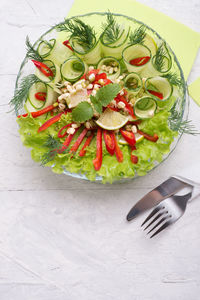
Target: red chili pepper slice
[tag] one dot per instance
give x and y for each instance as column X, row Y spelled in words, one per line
column 127, row 105
column 41, row 96
column 118, row 151
column 87, row 143
column 151, row 138
column 67, row 142
column 43, row 111
column 94, row 71
column 43, row 68
column 107, row 81
column 128, row 136
column 100, row 76
column 113, row 108
column 50, row 122
column 79, row 140
column 67, row 44
column 109, row 141
column 97, row 162
column 134, row 158
column 157, row 94
column 60, row 135
column 139, row 61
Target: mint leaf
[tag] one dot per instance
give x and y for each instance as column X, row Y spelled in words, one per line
column 97, row 104
column 107, row 93
column 82, row 112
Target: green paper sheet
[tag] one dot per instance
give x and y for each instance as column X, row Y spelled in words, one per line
column 194, row 91
column 184, row 41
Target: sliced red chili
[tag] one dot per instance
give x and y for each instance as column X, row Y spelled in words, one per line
column 67, row 142
column 109, row 141
column 151, row 138
column 50, row 122
column 107, row 81
column 157, row 94
column 43, row 68
column 67, row 44
column 113, row 108
column 127, row 105
column 60, row 134
column 43, row 111
column 86, row 144
column 139, row 61
column 41, row 96
column 118, row 152
column 97, row 162
column 128, row 136
column 79, row 140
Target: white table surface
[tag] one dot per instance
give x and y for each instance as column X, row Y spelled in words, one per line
column 66, row 239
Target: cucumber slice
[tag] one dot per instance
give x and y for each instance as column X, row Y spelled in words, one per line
column 135, row 51
column 58, row 53
column 109, row 61
column 115, row 49
column 133, row 83
column 36, row 88
column 150, row 43
column 72, row 69
column 90, row 56
column 161, row 85
column 145, row 107
column 44, row 78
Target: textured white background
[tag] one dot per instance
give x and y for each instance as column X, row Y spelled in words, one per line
column 65, row 239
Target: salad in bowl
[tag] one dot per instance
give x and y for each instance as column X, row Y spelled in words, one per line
column 100, row 96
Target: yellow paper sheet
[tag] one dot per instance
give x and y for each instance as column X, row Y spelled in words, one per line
column 194, row 91
column 183, row 41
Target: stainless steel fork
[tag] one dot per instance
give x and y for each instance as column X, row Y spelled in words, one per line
column 169, row 210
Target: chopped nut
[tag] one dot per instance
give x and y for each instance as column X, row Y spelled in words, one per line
column 121, row 93
column 93, row 92
column 79, row 87
column 75, row 125
column 121, row 104
column 90, row 86
column 134, row 129
column 88, row 125
column 91, row 77
column 66, row 83
column 116, row 69
column 91, row 68
column 61, row 106
column 69, row 87
column 103, row 67
column 121, row 77
column 113, row 102
column 70, row 130
column 128, row 127
column 73, row 91
column 101, row 81
column 96, row 86
column 111, row 70
column 61, row 97
column 117, row 80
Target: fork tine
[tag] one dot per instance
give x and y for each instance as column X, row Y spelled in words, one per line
column 166, row 224
column 156, row 218
column 157, row 224
column 157, row 208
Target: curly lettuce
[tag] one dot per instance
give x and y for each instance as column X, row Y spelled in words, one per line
column 148, row 152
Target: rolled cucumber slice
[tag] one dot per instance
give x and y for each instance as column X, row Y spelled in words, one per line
column 90, row 56
column 133, row 83
column 115, row 49
column 72, row 69
column 150, row 43
column 133, row 52
column 162, row 60
column 58, row 53
column 145, row 107
column 39, row 87
column 161, row 85
column 111, row 62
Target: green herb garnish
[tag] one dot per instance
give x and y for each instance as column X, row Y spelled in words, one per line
column 111, row 29
column 160, row 58
column 138, row 36
column 82, row 112
column 53, row 146
column 31, row 52
column 174, row 79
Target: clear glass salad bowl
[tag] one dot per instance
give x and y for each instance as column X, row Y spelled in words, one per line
column 95, row 19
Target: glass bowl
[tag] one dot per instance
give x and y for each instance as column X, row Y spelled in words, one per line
column 182, row 102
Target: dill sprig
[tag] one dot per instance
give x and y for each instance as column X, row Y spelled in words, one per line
column 174, row 79
column 160, row 58
column 178, row 124
column 48, row 44
column 83, row 34
column 31, row 52
column 53, row 146
column 111, row 29
column 138, row 36
column 21, row 92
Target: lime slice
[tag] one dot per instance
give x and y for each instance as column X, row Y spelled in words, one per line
column 150, row 43
column 138, row 138
column 111, row 120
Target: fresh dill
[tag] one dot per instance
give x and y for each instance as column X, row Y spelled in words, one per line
column 174, row 79
column 178, row 124
column 31, row 52
column 160, row 58
column 138, row 36
column 21, row 92
column 82, row 33
column 111, row 29
column 53, row 146
column 48, row 44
